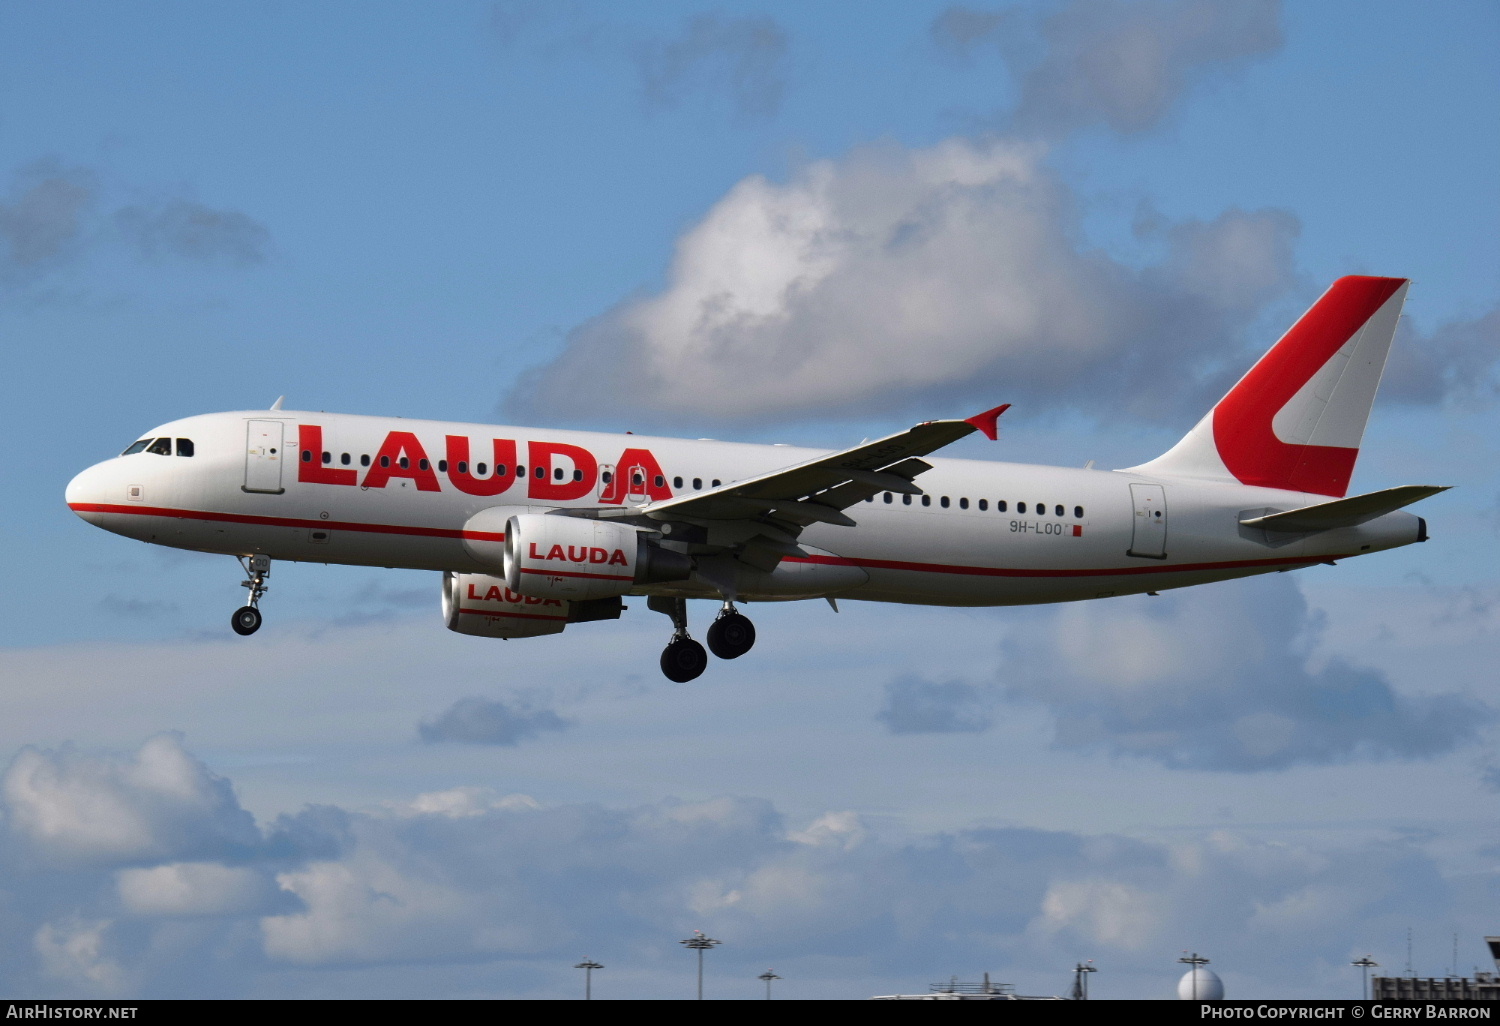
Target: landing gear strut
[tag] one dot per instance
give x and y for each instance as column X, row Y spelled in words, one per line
column 683, row 659
column 246, row 619
column 732, row 634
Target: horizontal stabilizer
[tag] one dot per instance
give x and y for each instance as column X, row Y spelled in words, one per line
column 1350, row 512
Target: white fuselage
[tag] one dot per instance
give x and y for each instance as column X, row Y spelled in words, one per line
column 986, row 534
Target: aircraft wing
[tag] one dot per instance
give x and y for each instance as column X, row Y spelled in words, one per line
column 818, row 490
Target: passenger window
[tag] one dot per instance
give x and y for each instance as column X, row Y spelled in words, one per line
column 661, row 482
column 1078, row 512
column 385, row 461
column 927, row 500
column 306, row 455
column 1020, row 507
column 607, row 477
column 327, row 457
column 479, row 469
column 697, row 484
column 540, row 472
column 557, row 473
column 716, row 482
column 184, row 446
column 577, row 475
column 442, row 466
column 676, row 482
column 637, row 479
column 422, row 464
column 984, row 504
column 344, row 459
column 137, row 447
column 161, row 447
column 364, row 460
column 500, row 470
column 1058, row 510
column 963, row 503
column 906, row 500
column 463, row 466
column 887, row 497
column 520, row 470
column 943, row 502
column 405, row 462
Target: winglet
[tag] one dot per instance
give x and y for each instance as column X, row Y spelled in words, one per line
column 277, row 404
column 988, row 421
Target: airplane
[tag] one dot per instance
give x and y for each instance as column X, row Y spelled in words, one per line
column 536, row 530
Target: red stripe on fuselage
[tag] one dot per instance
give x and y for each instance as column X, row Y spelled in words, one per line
column 872, row 564
column 995, row 571
column 260, row 521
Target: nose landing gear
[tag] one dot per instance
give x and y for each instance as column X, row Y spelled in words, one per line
column 246, row 619
column 732, row 634
column 683, row 659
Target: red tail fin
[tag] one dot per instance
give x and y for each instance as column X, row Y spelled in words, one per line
column 1295, row 421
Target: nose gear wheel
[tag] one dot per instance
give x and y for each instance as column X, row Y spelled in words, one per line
column 246, row 620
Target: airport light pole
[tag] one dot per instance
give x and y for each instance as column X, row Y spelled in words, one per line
column 1366, row 964
column 1194, row 960
column 699, row 942
column 768, row 976
column 1081, row 979
column 588, row 965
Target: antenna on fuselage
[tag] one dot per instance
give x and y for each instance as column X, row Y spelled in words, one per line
column 279, row 400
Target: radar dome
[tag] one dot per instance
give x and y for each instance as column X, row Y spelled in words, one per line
column 1200, row 984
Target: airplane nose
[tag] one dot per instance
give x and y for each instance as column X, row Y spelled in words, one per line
column 85, row 494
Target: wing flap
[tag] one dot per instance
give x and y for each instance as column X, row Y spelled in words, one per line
column 1350, row 512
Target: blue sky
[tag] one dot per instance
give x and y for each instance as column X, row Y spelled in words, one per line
column 491, row 211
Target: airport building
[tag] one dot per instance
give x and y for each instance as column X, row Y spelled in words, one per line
column 1481, row 987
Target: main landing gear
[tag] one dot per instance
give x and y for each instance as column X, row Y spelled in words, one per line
column 246, row 619
column 730, row 636
column 683, row 659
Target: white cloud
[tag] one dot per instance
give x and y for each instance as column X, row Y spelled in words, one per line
column 949, row 274
column 1106, row 912
column 479, row 721
column 1125, row 64
column 451, row 879
column 69, row 805
column 743, row 57
column 462, row 802
column 1223, row 679
column 192, row 889
column 74, row 950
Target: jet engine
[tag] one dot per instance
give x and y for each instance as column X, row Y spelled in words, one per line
column 484, row 606
column 553, row 557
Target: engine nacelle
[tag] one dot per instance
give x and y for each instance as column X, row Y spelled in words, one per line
column 555, row 557
column 482, row 605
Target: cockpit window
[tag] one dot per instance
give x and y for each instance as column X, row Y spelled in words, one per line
column 137, row 447
column 184, row 446
column 161, row 447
